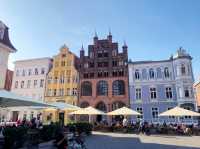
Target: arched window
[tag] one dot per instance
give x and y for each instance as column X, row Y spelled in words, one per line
column 101, row 106
column 166, row 72
column 159, row 73
column 137, row 74
column 183, row 71
column 84, row 104
column 144, row 74
column 86, row 89
column 102, row 88
column 118, row 87
column 151, row 73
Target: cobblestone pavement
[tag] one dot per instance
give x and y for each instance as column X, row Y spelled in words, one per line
column 99, row 140
column 131, row 141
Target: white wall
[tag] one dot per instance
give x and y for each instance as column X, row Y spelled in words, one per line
column 4, row 54
column 36, row 92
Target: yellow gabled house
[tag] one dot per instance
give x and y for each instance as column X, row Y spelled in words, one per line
column 62, row 82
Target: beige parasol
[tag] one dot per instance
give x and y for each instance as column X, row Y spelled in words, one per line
column 177, row 111
column 88, row 111
column 123, row 111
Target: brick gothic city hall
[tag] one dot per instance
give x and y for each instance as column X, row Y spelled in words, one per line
column 104, row 75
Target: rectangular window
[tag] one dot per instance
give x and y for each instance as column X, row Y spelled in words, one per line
column 114, row 53
column 42, row 71
column 91, row 54
column 23, row 73
column 100, row 54
column 168, row 91
column 139, row 110
column 49, row 92
column 91, row 64
column 100, row 74
column 100, row 64
column 16, row 84
column 68, row 92
column 61, row 92
column 29, row 84
column 74, row 91
column 29, row 72
column 17, row 73
column 49, row 80
column 63, row 63
column 105, row 54
column 121, row 63
column 22, row 84
column 69, row 63
column 155, row 112
column 62, row 79
column 35, row 83
column 138, row 94
column 54, row 92
column 55, row 80
column 42, row 83
column 114, row 63
column 153, row 93
column 36, row 71
column 137, row 75
column 187, row 92
column 106, row 73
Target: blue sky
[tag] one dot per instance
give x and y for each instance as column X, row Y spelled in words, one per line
column 153, row 29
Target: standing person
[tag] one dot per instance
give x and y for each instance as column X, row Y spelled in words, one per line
column 140, row 126
column 125, row 122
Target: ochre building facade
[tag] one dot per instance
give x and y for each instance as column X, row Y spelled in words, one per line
column 62, row 80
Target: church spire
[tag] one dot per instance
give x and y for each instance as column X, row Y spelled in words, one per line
column 82, row 48
column 110, row 36
column 95, row 34
column 82, row 52
column 125, row 45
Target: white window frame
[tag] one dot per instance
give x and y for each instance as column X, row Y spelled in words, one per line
column 152, row 113
column 166, row 92
column 138, row 88
column 155, row 93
